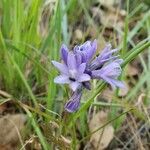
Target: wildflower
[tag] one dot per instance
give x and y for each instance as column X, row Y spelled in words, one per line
column 74, row 102
column 72, row 73
column 78, row 69
column 110, row 73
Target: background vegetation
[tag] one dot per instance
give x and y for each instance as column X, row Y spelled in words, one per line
column 31, row 33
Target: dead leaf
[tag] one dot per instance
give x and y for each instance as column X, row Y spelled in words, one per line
column 5, row 94
column 92, row 32
column 10, row 127
column 7, row 147
column 33, row 143
column 47, row 12
column 109, row 17
column 101, row 139
column 50, row 132
column 124, row 91
column 107, row 94
column 132, row 70
column 7, row 107
column 37, row 145
column 78, row 34
column 2, row 108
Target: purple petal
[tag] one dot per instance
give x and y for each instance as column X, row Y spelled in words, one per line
column 85, row 46
column 78, row 59
column 118, row 83
column 109, row 53
column 110, row 73
column 108, row 80
column 64, row 53
column 112, row 58
column 105, row 56
column 74, row 85
column 84, row 57
column 97, row 73
column 76, row 49
column 71, row 61
column 102, row 58
column 119, row 61
column 92, row 50
column 111, row 69
column 114, row 83
column 73, row 104
column 106, row 49
column 86, row 50
column 94, row 44
column 81, row 68
column 61, row 67
column 62, row 79
column 84, row 77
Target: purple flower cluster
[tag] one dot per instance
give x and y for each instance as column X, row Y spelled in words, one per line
column 78, row 69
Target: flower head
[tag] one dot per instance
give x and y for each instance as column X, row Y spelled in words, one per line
column 110, row 73
column 78, row 69
column 72, row 73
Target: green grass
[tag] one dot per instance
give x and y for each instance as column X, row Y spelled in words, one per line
column 26, row 70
